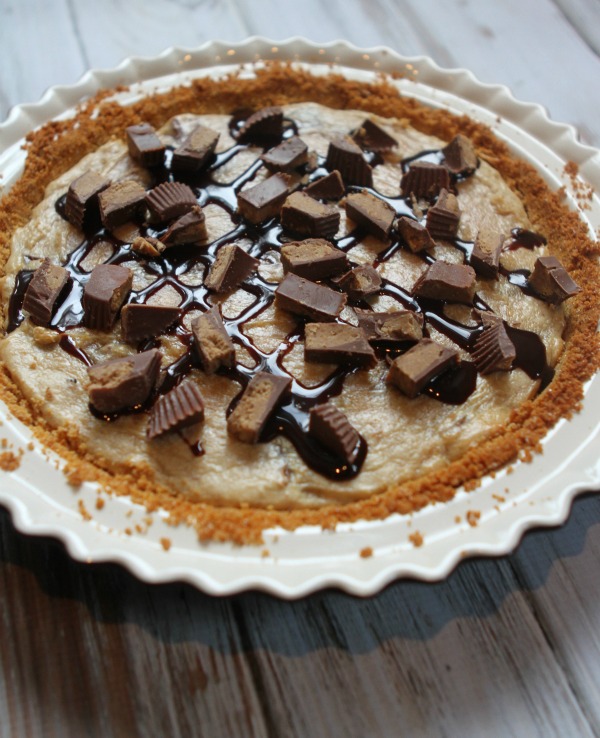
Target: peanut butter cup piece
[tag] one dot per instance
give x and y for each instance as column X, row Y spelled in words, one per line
column 121, row 202
column 147, row 246
column 313, row 258
column 372, row 137
column 302, row 297
column 212, row 342
column 372, row 213
column 416, row 236
column 332, row 429
column 329, row 187
column 287, row 156
column 551, row 281
column 181, row 407
column 485, row 257
column 120, row 384
column 140, row 321
column 81, row 205
column 195, row 152
column 170, row 200
column 396, row 326
column 493, row 350
column 265, row 199
column 347, row 157
column 449, row 282
column 419, row 365
column 303, row 214
column 360, row 282
column 444, row 216
column 264, row 393
column 104, row 294
column 189, row 228
column 231, row 267
column 144, row 145
column 43, row 292
column 424, row 180
column 264, row 124
column 337, row 343
column 460, row 156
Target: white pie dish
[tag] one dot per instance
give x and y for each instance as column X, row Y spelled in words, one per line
column 540, row 493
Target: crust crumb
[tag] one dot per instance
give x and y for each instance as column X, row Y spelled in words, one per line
column 473, row 517
column 366, row 552
column 83, row 510
column 416, row 539
column 9, row 461
column 165, row 543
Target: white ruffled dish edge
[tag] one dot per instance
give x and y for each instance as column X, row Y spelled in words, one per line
column 294, row 564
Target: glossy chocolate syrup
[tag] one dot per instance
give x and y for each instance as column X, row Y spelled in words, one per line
column 291, row 419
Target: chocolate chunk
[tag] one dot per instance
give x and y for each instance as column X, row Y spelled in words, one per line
column 258, row 402
column 265, row 199
column 425, row 180
column 337, row 343
column 443, row 217
column 372, row 137
column 104, row 294
column 144, row 145
column 140, row 321
column 303, row 214
column 460, row 156
column 551, row 281
column 345, row 156
column 444, row 281
column 121, row 202
column 329, row 187
column 493, row 350
column 485, row 257
column 360, row 282
column 371, row 212
column 419, row 365
column 309, row 299
column 81, row 205
column 287, row 156
column 213, row 344
column 393, row 327
column 195, row 152
column 416, row 236
column 170, row 200
column 264, row 124
column 190, row 228
column 231, row 267
column 179, row 408
column 328, row 425
column 43, row 291
column 119, row 384
column 313, row 259
column 147, row 246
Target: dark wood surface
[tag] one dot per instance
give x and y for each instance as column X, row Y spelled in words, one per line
column 505, row 647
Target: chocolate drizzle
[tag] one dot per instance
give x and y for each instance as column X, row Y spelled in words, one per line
column 292, row 417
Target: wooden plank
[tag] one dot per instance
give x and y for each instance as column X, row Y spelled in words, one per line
column 92, row 651
column 39, row 49
column 561, row 572
column 584, row 15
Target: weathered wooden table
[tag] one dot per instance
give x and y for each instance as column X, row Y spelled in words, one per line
column 506, row 647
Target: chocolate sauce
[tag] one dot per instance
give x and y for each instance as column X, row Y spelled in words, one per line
column 291, row 419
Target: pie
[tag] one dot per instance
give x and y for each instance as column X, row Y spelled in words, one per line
column 259, row 301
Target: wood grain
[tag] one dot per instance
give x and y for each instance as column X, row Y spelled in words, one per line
column 505, row 647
